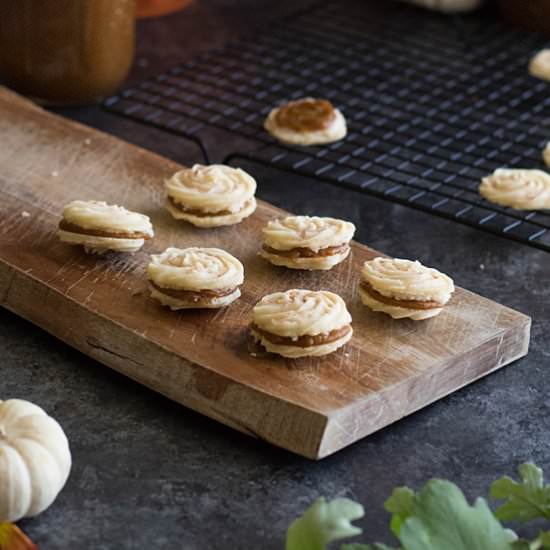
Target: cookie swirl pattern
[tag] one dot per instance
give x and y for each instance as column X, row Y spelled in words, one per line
column 98, row 215
column 212, row 188
column 518, row 188
column 407, row 280
column 301, row 312
column 195, row 269
column 307, row 232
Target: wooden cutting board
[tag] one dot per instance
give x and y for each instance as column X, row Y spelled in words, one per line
column 200, row 358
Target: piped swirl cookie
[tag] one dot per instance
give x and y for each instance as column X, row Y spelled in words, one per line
column 404, row 289
column 301, row 323
column 539, row 66
column 304, row 242
column 211, row 196
column 306, row 121
column 193, row 278
column 100, row 227
column 518, row 188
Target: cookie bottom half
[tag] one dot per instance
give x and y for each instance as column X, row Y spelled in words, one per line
column 295, row 352
column 99, row 245
column 313, row 263
column 212, row 220
column 397, row 312
column 212, row 302
column 335, row 132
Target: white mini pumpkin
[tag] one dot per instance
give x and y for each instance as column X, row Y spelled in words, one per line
column 35, row 460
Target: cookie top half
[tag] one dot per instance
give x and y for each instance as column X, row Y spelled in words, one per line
column 195, row 269
column 100, row 216
column 310, row 232
column 299, row 312
column 212, row 188
column 407, row 280
column 518, row 188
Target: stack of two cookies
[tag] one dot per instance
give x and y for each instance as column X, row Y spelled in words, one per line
column 404, row 289
column 196, row 277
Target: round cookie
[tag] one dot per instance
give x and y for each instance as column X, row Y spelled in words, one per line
column 306, row 242
column 539, row 66
column 306, row 121
column 195, row 278
column 100, row 227
column 301, row 323
column 211, row 196
column 546, row 154
column 404, row 289
column 517, row 188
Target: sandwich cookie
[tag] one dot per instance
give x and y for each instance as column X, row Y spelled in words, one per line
column 304, row 242
column 539, row 66
column 211, row 196
column 404, row 289
column 301, row 323
column 306, row 121
column 517, row 188
column 100, row 227
column 194, row 278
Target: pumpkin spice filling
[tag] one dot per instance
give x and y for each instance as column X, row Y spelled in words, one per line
column 407, row 304
column 307, row 252
column 64, row 225
column 204, row 296
column 201, row 213
column 304, row 341
column 306, row 115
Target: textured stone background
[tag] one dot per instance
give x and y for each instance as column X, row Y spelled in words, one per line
column 152, row 474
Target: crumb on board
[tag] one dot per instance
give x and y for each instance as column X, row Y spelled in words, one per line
column 25, row 214
column 55, row 173
column 87, row 141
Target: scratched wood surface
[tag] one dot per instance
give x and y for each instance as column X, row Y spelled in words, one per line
column 200, row 358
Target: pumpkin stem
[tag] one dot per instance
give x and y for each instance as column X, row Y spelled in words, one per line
column 12, row 538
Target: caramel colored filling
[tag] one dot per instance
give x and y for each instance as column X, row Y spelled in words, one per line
column 305, row 341
column 407, row 304
column 201, row 213
column 307, row 252
column 64, row 225
column 306, row 116
column 205, row 296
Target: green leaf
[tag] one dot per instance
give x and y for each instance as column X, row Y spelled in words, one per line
column 542, row 542
column 544, row 539
column 359, row 546
column 400, row 505
column 525, row 501
column 324, row 522
column 442, row 519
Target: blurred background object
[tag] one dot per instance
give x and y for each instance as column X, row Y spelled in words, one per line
column 451, row 6
column 154, row 8
column 530, row 14
column 66, row 51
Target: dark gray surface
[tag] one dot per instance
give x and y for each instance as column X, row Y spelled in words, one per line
column 149, row 473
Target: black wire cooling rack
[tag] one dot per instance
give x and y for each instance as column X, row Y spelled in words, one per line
column 433, row 104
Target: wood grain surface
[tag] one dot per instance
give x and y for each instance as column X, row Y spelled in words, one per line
column 201, row 359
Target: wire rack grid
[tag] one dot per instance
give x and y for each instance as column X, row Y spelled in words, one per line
column 433, row 104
